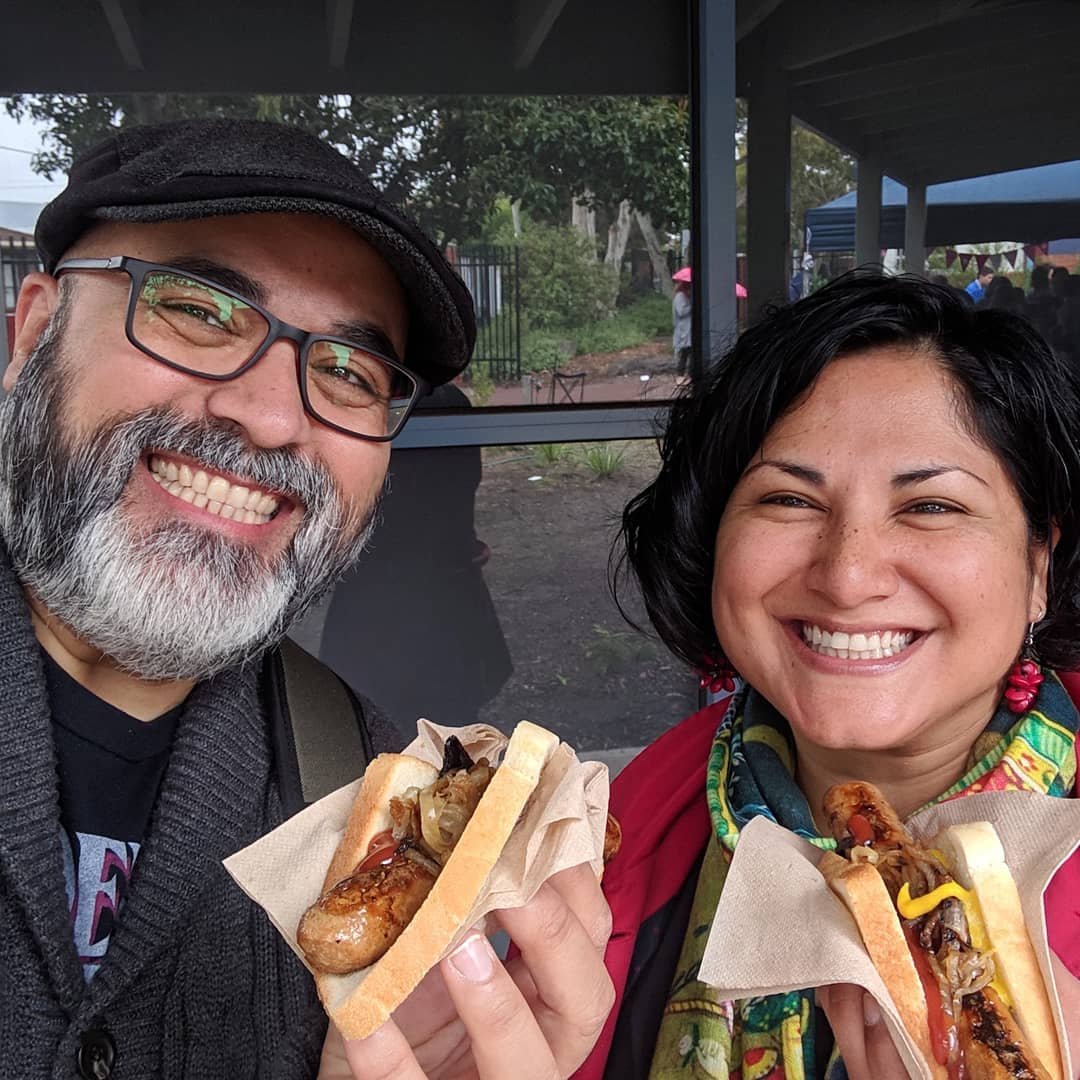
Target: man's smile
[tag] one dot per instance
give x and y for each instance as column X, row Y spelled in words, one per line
column 212, row 492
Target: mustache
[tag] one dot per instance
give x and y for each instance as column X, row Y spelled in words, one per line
column 116, row 449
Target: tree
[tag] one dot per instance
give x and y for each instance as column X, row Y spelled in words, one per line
column 445, row 158
column 820, row 171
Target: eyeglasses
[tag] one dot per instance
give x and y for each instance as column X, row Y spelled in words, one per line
column 197, row 326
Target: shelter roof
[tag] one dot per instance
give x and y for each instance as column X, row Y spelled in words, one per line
column 1036, row 204
column 937, row 89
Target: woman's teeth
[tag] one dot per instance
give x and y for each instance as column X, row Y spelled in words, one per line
column 213, row 493
column 879, row 645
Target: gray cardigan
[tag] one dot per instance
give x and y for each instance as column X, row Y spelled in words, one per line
column 196, row 982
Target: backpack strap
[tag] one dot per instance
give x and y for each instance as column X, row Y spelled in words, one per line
column 320, row 737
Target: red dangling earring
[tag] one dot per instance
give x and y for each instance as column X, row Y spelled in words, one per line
column 1025, row 678
column 717, row 675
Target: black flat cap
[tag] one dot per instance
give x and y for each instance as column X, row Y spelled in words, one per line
column 207, row 168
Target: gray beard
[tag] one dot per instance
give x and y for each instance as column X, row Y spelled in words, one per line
column 173, row 600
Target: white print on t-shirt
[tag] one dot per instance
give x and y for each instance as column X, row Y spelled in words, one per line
column 96, row 890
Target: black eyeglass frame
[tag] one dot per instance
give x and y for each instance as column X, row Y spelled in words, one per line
column 277, row 330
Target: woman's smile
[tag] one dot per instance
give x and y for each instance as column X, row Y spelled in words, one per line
column 850, row 652
column 856, row 644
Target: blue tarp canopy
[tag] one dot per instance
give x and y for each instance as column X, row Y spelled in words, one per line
column 1028, row 204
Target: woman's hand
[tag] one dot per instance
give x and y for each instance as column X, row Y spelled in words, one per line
column 537, row 1016
column 860, row 1032
column 867, row 1049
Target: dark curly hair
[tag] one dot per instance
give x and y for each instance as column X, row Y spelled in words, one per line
column 1016, row 397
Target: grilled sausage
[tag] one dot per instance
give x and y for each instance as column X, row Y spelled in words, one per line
column 351, row 925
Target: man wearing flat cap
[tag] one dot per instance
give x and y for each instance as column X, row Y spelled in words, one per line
column 231, row 328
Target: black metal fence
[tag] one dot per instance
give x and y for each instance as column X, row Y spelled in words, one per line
column 491, row 274
column 17, row 259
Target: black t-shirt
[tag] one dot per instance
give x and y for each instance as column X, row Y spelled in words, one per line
column 110, row 767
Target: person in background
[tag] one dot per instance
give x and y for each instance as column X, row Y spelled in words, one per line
column 869, row 601
column 976, row 288
column 1067, row 330
column 1042, row 304
column 681, row 317
column 1002, row 294
column 420, row 592
column 1058, row 278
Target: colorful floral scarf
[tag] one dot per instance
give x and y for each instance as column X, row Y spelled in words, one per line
column 751, row 773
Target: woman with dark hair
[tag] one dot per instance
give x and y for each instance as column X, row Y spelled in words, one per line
column 867, row 515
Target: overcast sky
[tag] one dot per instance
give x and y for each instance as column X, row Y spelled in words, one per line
column 17, row 182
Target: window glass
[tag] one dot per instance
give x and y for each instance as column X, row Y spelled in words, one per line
column 484, row 596
column 566, row 215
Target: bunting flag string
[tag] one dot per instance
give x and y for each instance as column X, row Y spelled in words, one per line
column 980, row 261
column 1011, row 257
column 950, row 257
column 965, row 258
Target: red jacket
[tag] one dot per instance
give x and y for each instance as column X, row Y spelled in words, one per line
column 665, row 824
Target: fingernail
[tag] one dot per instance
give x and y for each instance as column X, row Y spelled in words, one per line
column 473, row 959
column 871, row 1011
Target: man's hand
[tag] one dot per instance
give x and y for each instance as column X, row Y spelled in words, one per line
column 861, row 1035
column 534, row 1018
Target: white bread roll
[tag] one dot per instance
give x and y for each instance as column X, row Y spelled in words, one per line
column 863, row 892
column 362, row 1001
column 975, row 856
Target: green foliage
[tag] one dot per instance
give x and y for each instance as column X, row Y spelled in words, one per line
column 550, row 453
column 820, row 171
column 480, row 382
column 543, row 351
column 448, row 159
column 644, row 320
column 616, row 650
column 561, row 282
column 608, row 337
column 604, row 459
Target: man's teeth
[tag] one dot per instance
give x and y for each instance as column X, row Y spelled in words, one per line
column 879, row 645
column 213, row 493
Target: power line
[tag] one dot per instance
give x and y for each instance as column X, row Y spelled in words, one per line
column 18, row 150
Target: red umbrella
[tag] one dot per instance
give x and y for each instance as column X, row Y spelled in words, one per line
column 684, row 275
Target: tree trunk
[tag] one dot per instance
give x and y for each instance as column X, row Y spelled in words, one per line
column 583, row 218
column 618, row 235
column 515, row 217
column 656, row 256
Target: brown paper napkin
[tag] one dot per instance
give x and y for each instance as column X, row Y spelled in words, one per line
column 804, row 937
column 562, row 826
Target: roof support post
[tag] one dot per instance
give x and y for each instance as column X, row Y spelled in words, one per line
column 915, row 230
column 868, row 211
column 768, row 188
column 712, row 150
